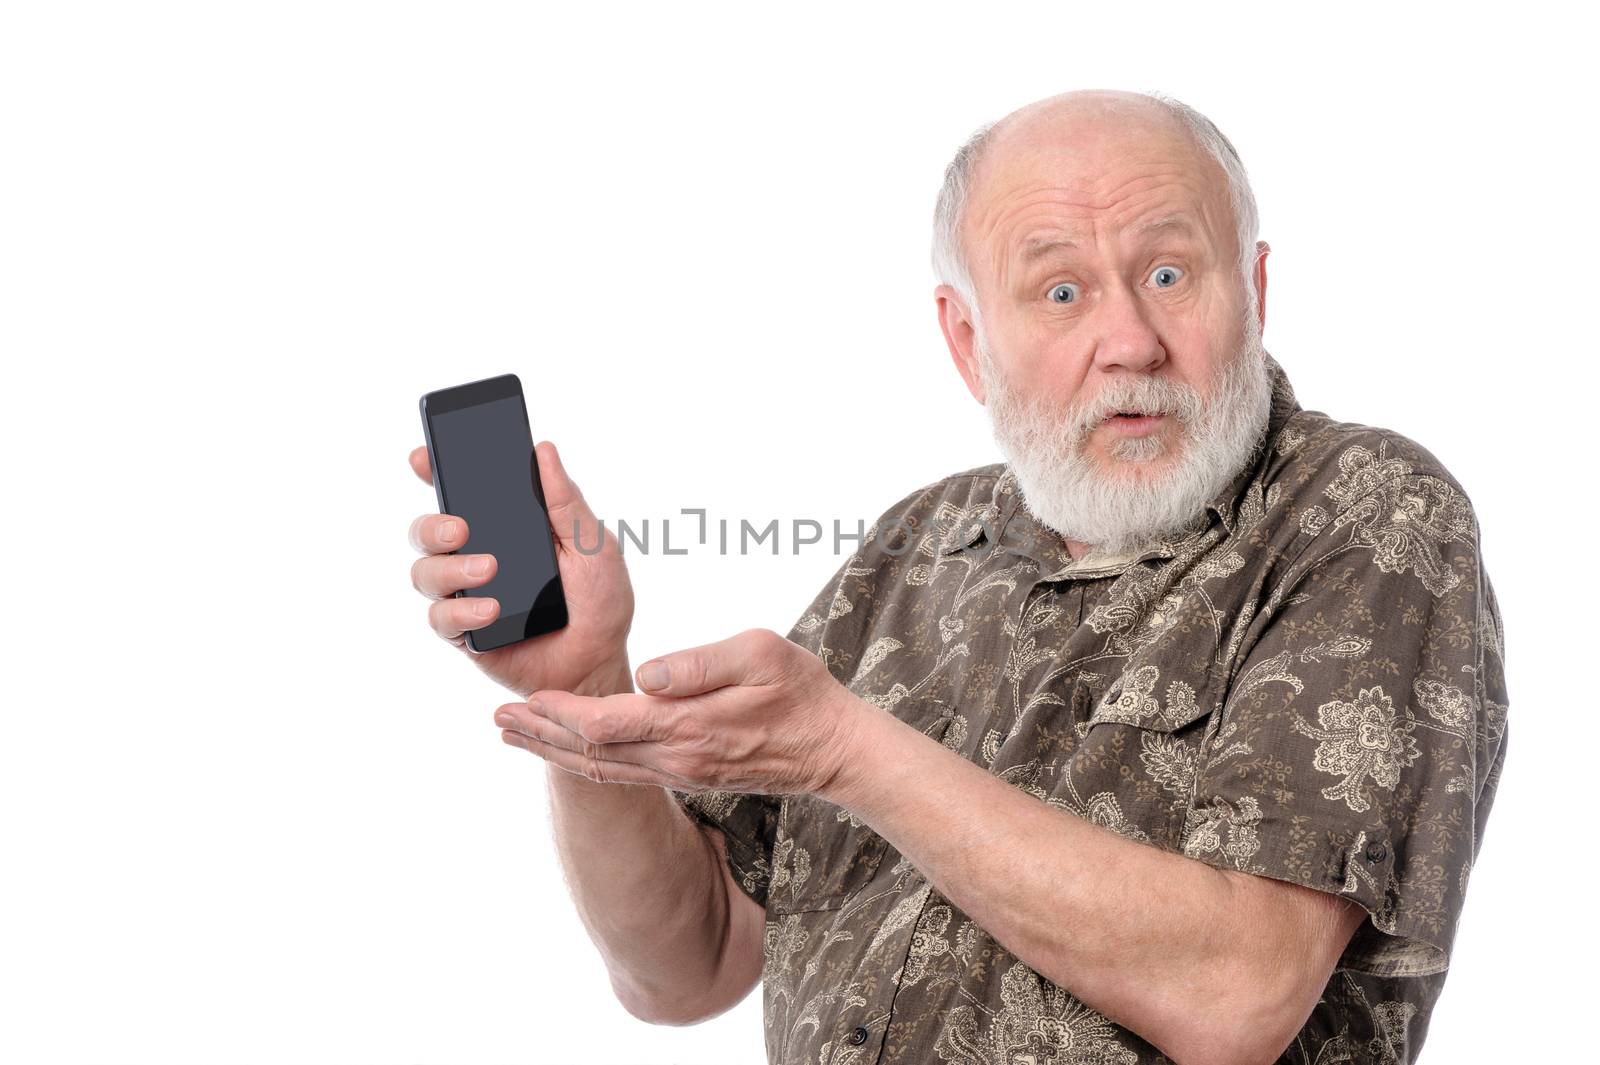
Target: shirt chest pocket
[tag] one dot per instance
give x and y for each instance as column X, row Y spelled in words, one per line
column 1133, row 770
column 822, row 856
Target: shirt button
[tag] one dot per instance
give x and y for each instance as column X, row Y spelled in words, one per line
column 858, row 1037
column 1376, row 852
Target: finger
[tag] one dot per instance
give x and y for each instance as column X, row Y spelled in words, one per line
column 450, row 618
column 598, row 770
column 515, row 717
column 420, row 465
column 605, row 719
column 436, row 576
column 752, row 657
column 437, row 534
column 574, row 523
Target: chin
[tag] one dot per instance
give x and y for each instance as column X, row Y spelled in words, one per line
column 1137, row 467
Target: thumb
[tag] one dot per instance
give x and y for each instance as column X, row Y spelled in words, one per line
column 755, row 656
column 570, row 516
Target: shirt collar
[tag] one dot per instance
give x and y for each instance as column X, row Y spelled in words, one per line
column 1017, row 530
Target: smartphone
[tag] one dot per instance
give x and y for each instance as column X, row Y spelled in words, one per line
column 485, row 471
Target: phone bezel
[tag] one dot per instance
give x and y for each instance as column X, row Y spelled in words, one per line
column 506, row 629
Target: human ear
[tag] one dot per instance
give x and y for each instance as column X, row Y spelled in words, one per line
column 955, row 321
column 1259, row 277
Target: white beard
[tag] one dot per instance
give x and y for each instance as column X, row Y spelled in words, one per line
column 1129, row 506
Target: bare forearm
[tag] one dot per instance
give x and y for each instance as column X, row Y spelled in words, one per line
column 1151, row 939
column 647, row 885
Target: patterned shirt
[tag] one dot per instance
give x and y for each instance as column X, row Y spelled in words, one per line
column 1309, row 687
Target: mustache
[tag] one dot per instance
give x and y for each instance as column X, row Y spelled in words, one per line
column 1147, row 395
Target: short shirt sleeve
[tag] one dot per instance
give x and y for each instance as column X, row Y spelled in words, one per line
column 1359, row 746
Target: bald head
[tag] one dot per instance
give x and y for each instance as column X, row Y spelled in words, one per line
column 1085, row 134
column 1087, row 110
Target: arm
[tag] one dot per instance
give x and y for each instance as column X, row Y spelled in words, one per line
column 1209, row 965
column 1376, row 686
column 679, row 939
column 628, row 853
column 742, row 953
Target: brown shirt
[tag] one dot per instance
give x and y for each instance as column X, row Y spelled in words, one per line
column 1309, row 688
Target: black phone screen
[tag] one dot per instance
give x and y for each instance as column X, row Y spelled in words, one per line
column 485, row 471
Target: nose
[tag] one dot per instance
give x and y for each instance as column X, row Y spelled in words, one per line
column 1125, row 338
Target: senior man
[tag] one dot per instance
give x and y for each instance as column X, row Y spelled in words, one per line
column 1173, row 737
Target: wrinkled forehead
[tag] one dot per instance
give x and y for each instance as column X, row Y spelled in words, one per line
column 1085, row 185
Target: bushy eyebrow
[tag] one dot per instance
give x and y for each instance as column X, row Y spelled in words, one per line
column 1172, row 223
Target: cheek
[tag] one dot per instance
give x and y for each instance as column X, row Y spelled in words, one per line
column 1217, row 320
column 1051, row 365
column 1060, row 383
column 1199, row 345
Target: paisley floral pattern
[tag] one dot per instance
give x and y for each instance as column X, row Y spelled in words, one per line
column 1361, row 739
column 1309, row 687
column 1037, row 1024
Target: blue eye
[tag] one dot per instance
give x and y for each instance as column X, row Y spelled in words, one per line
column 1171, row 271
column 1065, row 292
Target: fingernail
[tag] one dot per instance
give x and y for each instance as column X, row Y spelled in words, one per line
column 483, row 609
column 653, row 675
column 447, row 531
column 504, row 720
column 478, row 566
column 535, row 706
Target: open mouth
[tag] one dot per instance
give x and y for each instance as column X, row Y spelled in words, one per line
column 1135, row 422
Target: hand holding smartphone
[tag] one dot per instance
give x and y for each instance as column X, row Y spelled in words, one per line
column 484, row 471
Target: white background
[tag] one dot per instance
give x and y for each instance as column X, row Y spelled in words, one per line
column 254, row 811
